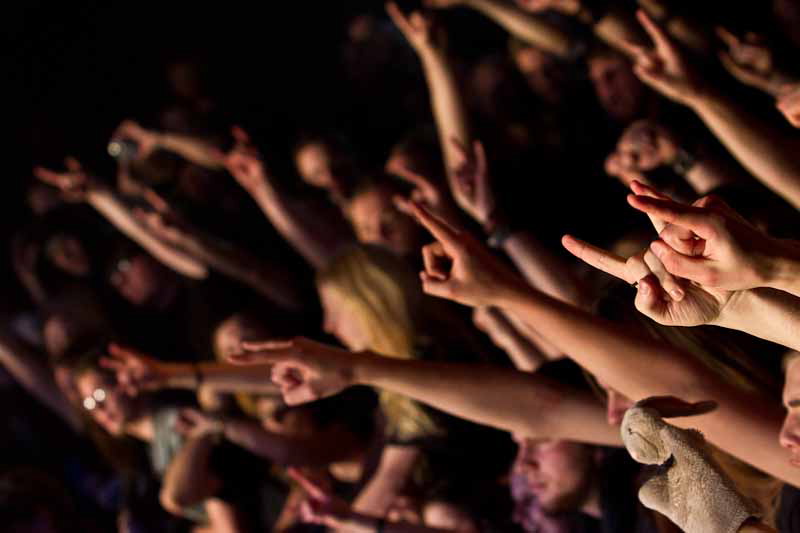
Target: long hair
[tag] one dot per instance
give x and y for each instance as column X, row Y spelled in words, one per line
column 382, row 294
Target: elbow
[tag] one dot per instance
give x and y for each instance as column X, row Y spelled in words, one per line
column 174, row 501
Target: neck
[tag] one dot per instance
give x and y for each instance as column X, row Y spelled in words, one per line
column 141, row 428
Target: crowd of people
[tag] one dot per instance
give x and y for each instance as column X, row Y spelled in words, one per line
column 390, row 327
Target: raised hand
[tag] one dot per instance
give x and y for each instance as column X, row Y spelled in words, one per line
column 645, row 145
column 425, row 192
column 244, row 162
column 750, row 61
column 74, row 184
column 135, row 371
column 416, row 27
column 193, row 423
column 660, row 295
column 472, row 185
column 321, row 507
column 460, row 268
column 146, row 140
column 665, row 67
column 715, row 248
column 159, row 225
column 304, row 370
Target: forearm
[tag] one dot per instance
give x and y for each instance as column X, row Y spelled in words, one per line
column 192, row 149
column 104, row 201
column 35, row 376
column 284, row 449
column 745, row 424
column 763, row 150
column 766, row 313
column 188, row 479
column 628, row 361
column 783, row 272
column 447, row 105
column 272, row 282
column 221, row 377
column 377, row 496
column 545, row 270
column 506, row 399
column 316, row 239
column 529, row 28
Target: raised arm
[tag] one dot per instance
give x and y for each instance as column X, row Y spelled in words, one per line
column 311, row 450
column 519, row 23
column 32, row 372
column 316, row 232
column 543, row 269
column 506, row 399
column 267, row 278
column 763, row 150
column 76, row 184
column 746, row 425
column 446, row 100
column 137, row 372
column 193, row 149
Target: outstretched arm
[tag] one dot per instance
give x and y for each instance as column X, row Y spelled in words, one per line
column 76, row 183
column 506, row 399
column 193, row 149
column 446, row 99
column 33, row 373
column 516, row 21
column 746, row 424
column 268, row 279
column 316, row 232
column 762, row 149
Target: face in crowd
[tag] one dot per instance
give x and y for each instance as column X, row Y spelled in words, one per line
column 558, row 473
column 618, row 89
column 790, row 432
column 377, row 221
column 106, row 402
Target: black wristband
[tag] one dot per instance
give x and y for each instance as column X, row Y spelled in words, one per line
column 380, row 525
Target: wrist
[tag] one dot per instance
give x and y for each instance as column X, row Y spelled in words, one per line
column 178, row 376
column 781, row 266
column 367, row 368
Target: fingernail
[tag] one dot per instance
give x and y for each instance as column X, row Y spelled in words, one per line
column 676, row 294
column 644, row 288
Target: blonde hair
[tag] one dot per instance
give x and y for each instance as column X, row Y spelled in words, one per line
column 381, row 292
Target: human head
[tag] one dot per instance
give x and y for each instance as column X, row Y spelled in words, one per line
column 542, row 73
column 790, row 432
column 227, row 340
column 618, row 89
column 326, row 162
column 368, row 297
column 560, row 474
column 376, row 220
column 140, row 279
column 67, row 252
column 102, row 397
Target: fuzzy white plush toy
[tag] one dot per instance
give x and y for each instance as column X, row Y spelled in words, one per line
column 691, row 489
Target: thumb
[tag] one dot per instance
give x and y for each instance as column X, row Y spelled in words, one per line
column 437, row 287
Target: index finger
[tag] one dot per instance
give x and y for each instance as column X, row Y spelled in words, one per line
column 688, row 217
column 727, row 37
column 48, row 176
column 658, row 36
column 399, row 18
column 597, row 257
column 313, row 490
column 440, row 229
